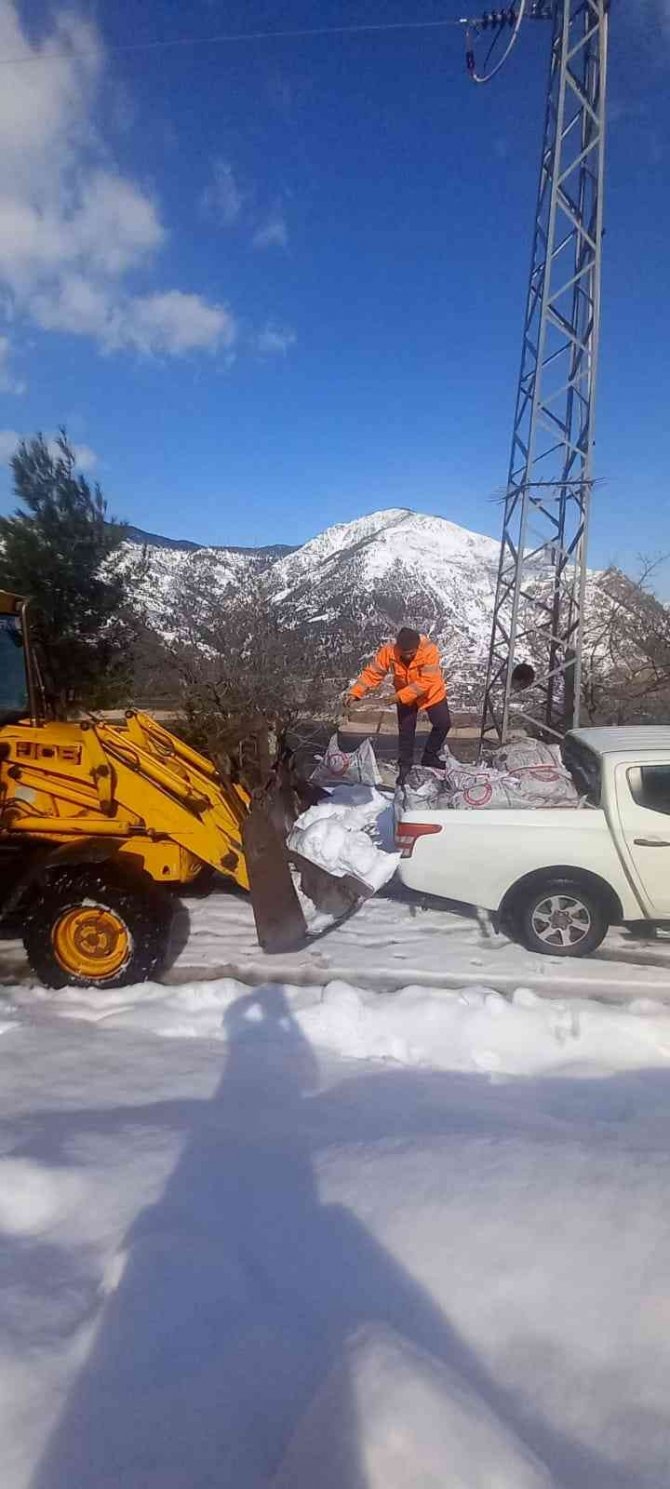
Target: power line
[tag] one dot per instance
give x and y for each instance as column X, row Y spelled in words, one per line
column 229, row 38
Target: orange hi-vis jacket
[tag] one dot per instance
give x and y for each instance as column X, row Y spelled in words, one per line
column 419, row 681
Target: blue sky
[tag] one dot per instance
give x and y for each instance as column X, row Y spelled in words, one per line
column 275, row 285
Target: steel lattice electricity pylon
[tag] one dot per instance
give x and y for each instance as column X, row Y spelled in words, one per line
column 540, row 593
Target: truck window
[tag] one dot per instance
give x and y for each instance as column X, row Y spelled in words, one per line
column 650, row 787
column 13, row 687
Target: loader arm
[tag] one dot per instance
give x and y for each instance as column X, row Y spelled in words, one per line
column 90, row 779
column 177, row 791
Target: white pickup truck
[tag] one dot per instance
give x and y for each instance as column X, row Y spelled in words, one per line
column 557, row 879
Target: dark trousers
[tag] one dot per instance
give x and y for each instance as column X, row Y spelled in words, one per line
column 440, row 719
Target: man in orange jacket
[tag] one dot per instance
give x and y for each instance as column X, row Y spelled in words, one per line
column 414, row 662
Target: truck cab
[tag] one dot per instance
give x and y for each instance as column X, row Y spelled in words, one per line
column 635, row 794
column 556, row 879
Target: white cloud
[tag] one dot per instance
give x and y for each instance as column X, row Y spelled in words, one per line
column 223, row 197
column 73, row 228
column 172, row 323
column 273, row 233
column 75, row 303
column 163, row 324
column 234, row 205
column 85, row 457
column 275, row 341
column 8, row 383
column 108, row 230
column 9, row 438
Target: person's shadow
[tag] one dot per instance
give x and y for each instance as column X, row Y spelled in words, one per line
column 222, row 1360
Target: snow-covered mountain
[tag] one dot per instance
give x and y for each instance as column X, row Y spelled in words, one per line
column 374, row 573
column 357, row 582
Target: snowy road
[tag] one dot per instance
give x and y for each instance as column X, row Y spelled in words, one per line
column 387, row 945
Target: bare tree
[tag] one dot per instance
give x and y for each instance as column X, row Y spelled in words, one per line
column 626, row 661
column 248, row 670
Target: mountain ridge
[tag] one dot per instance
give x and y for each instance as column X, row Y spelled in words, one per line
column 187, row 545
column 360, row 579
column 353, row 585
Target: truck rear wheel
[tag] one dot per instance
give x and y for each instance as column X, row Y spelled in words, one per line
column 93, row 927
column 559, row 917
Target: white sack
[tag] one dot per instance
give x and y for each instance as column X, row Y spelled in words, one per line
column 359, row 767
column 337, row 838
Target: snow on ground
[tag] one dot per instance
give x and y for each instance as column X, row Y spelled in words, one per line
column 388, row 944
column 476, row 1029
column 387, row 1213
column 250, row 1261
column 391, row 941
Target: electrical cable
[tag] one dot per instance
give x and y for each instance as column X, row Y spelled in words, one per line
column 498, row 20
column 230, row 38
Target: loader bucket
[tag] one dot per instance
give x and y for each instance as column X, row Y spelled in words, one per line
column 280, row 923
column 334, row 896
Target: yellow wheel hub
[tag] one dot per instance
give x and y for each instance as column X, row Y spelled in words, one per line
column 91, row 942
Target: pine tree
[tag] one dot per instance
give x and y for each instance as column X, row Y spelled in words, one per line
column 62, row 552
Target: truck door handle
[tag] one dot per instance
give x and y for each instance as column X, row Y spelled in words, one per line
column 651, row 843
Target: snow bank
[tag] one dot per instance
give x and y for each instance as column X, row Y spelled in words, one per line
column 474, row 1030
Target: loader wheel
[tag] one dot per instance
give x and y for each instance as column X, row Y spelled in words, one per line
column 91, row 927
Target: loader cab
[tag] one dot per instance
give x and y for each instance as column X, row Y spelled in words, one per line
column 20, row 690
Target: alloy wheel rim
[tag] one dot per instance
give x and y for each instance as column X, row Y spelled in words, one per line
column 561, row 920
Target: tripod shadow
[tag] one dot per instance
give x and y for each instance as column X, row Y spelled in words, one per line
column 223, row 1356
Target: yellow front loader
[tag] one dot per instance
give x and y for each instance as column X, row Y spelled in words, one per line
column 97, row 821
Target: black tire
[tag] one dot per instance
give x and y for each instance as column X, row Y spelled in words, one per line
column 559, row 917
column 143, row 910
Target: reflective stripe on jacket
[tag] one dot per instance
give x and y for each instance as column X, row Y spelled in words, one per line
column 419, row 681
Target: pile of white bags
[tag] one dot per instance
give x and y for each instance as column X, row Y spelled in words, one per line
column 424, row 787
column 526, row 773
column 539, row 769
column 523, row 774
column 521, row 754
column 460, row 777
